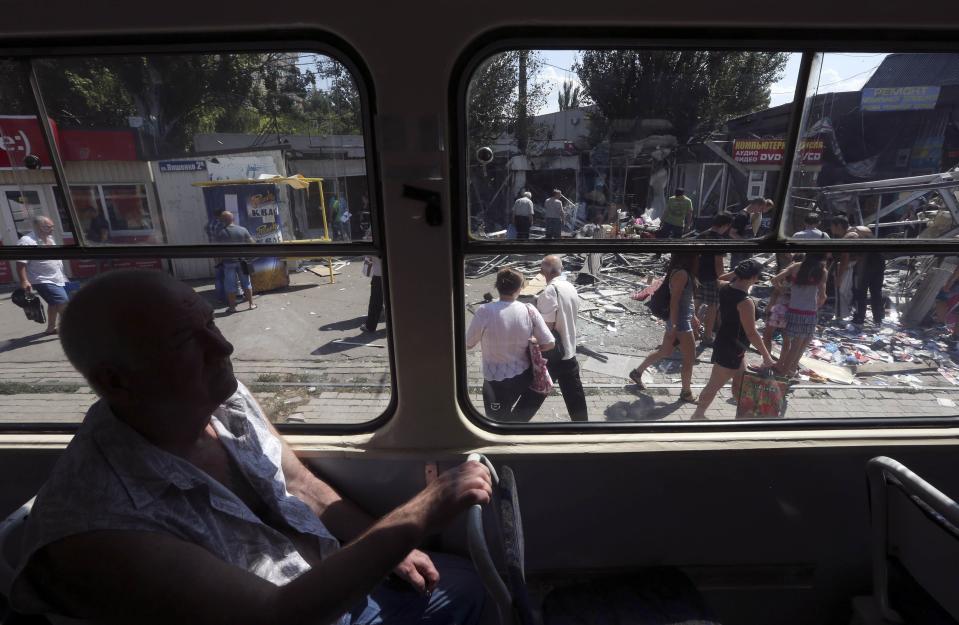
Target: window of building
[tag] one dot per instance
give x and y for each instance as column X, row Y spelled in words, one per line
column 581, row 155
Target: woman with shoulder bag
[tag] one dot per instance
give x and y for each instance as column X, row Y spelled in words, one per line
column 504, row 329
column 679, row 326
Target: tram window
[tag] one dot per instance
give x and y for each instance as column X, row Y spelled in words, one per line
column 880, row 147
column 168, row 141
column 24, row 163
column 905, row 366
column 622, row 130
column 303, row 351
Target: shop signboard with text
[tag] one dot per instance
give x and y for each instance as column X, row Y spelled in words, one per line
column 770, row 151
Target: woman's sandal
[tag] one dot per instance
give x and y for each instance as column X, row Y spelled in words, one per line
column 688, row 397
column 637, row 378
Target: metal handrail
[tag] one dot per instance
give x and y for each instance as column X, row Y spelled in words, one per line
column 880, row 470
column 479, row 552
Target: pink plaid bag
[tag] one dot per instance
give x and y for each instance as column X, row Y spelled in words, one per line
column 542, row 383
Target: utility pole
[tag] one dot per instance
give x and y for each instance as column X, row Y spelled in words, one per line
column 522, row 124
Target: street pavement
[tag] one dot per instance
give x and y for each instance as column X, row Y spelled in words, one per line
column 302, row 353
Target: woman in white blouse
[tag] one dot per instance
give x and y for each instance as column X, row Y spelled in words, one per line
column 504, row 330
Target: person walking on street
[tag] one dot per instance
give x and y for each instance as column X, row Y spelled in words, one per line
column 559, row 303
column 807, row 293
column 677, row 216
column 235, row 269
column 46, row 277
column 554, row 208
column 373, row 267
column 523, row 215
column 680, row 275
column 504, row 329
column 710, row 268
column 737, row 330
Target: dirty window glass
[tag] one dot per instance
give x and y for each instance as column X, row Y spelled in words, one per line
column 880, row 148
column 170, row 142
column 888, row 352
column 26, row 175
column 303, row 350
column 603, row 140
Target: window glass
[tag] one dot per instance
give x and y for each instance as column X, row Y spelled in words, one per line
column 26, row 173
column 166, row 143
column 303, row 350
column 602, row 140
column 900, row 361
column 880, row 147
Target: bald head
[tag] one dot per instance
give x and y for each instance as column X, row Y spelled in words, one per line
column 226, row 217
column 109, row 321
column 551, row 267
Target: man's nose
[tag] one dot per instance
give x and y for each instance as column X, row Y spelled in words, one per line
column 217, row 344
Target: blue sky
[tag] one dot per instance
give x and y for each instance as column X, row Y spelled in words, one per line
column 840, row 72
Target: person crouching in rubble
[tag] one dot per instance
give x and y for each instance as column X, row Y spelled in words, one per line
column 807, row 282
column 737, row 329
column 679, row 327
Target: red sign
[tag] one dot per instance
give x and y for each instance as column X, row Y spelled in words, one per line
column 21, row 135
column 97, row 145
column 6, row 276
column 770, row 151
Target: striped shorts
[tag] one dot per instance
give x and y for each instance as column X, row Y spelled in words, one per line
column 800, row 324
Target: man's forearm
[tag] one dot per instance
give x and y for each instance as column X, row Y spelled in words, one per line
column 22, row 273
column 342, row 580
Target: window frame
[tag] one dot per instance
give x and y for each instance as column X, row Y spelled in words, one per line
column 245, row 41
column 807, row 42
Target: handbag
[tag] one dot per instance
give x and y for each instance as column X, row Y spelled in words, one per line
column 761, row 396
column 542, row 383
column 658, row 304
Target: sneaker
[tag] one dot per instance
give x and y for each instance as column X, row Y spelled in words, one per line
column 854, row 327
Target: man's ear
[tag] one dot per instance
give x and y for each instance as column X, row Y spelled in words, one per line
column 110, row 382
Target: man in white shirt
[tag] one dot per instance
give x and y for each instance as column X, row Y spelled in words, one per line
column 559, row 303
column 523, row 215
column 554, row 215
column 811, row 221
column 46, row 277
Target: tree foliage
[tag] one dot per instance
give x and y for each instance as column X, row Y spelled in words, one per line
column 694, row 90
column 170, row 98
column 493, row 104
column 568, row 97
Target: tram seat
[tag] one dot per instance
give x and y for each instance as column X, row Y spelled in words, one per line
column 651, row 596
column 915, row 550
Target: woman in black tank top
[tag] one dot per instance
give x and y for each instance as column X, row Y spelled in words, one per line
column 737, row 329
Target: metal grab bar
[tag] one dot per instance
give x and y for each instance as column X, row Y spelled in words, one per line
column 479, row 552
column 879, row 470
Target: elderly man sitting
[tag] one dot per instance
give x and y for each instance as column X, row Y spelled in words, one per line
column 177, row 501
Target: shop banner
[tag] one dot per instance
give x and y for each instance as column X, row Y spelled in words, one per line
column 900, row 98
column 770, row 151
column 21, row 135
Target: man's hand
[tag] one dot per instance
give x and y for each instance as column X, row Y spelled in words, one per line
column 26, row 286
column 418, row 570
column 452, row 493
